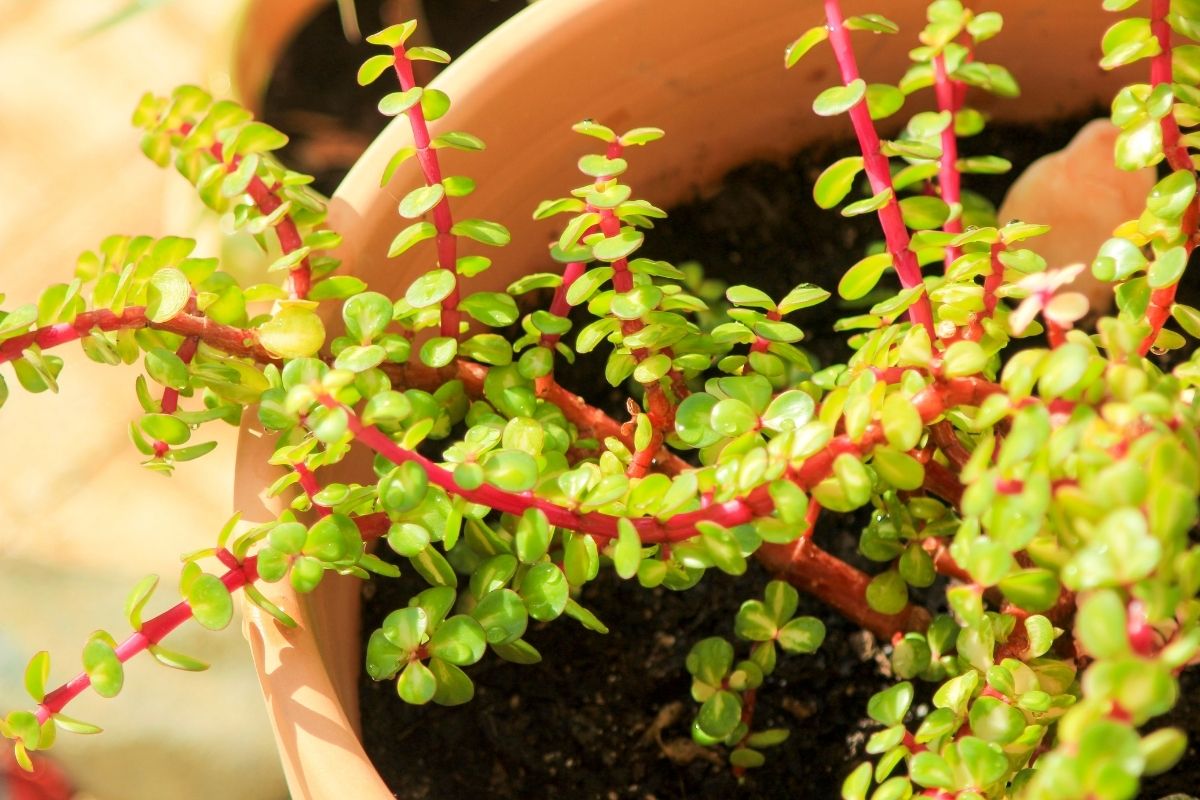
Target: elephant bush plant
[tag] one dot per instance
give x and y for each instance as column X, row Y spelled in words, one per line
column 1035, row 461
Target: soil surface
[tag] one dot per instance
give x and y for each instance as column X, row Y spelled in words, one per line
column 608, row 717
column 314, row 96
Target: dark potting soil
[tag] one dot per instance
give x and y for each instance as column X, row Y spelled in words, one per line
column 608, row 716
column 314, row 98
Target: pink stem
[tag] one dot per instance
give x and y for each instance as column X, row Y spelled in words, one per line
column 152, row 632
column 949, row 178
column 447, row 242
column 930, row 403
column 879, row 173
column 267, row 201
column 1177, row 156
column 235, row 341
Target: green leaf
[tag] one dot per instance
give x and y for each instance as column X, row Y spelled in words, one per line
column 175, row 660
column 887, row 593
column 394, row 35
column 883, row 100
column 836, row 181
column 889, row 706
column 502, row 615
column 994, row 720
column 210, row 601
column 491, row 308
column 431, row 288
column 428, row 54
column 627, row 552
column 614, row 248
column 922, row 212
column 416, row 684
column 75, row 725
column 397, row 103
column 720, row 714
column 861, row 278
column 421, row 200
column 37, row 672
column 166, row 294
column 373, row 67
column 453, row 686
column 876, row 23
column 459, row 640
column 802, row 635
column 545, row 591
column 1100, row 625
column 417, row 232
column 256, row 137
column 138, row 597
column 511, row 470
column 754, row 623
column 839, row 99
column 482, row 231
column 459, row 140
column 807, row 41
column 166, row 368
column 102, row 666
column 1031, row 589
column 294, row 332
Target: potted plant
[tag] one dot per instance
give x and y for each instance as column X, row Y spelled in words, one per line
column 1054, row 485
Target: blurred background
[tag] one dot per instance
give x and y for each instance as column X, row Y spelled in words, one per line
column 80, row 521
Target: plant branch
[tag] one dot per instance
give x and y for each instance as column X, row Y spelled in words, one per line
column 242, row 342
column 447, row 242
column 949, row 178
column 1162, row 299
column 879, row 173
column 151, row 633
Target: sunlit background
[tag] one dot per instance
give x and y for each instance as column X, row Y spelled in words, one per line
column 82, row 521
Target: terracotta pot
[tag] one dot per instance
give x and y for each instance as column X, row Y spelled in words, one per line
column 711, row 74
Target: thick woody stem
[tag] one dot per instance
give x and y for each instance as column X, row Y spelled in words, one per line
column 152, row 632
column 879, row 173
column 447, row 242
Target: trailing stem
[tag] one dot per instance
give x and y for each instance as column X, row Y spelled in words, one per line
column 151, row 633
column 879, row 173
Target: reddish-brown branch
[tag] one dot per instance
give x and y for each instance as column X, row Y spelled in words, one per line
column 879, row 172
column 152, row 632
column 814, row 571
column 944, row 483
column 943, row 435
column 242, row 342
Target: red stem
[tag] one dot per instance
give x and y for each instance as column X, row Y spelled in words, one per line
column 447, row 242
column 949, row 179
column 1177, row 157
column 152, row 632
column 267, row 202
column 930, row 403
column 879, row 173
column 235, row 341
